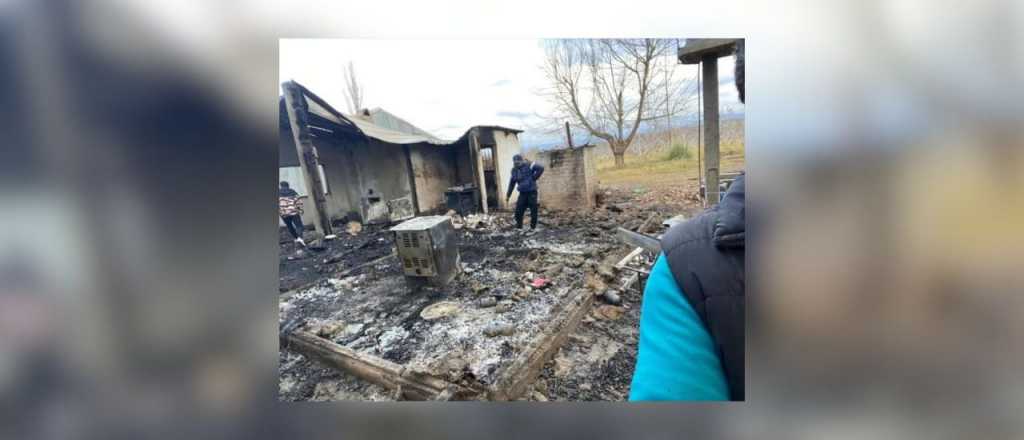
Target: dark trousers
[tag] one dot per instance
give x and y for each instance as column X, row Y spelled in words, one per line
column 294, row 224
column 527, row 200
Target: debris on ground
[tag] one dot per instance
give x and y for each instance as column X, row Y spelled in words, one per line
column 354, row 228
column 439, row 310
column 611, row 297
column 351, row 291
column 608, row 312
column 499, row 329
column 540, row 283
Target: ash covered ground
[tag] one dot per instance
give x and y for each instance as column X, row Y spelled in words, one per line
column 368, row 308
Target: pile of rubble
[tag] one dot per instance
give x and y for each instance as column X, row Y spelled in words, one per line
column 510, row 284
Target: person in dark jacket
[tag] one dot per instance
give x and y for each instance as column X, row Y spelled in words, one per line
column 525, row 175
column 692, row 320
column 290, row 209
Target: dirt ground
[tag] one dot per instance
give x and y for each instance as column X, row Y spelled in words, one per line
column 378, row 316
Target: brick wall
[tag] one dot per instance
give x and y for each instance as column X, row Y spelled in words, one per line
column 570, row 178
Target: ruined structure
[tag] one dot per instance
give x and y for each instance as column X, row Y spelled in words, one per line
column 356, row 169
column 570, row 178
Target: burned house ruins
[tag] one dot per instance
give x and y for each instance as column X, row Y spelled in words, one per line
column 376, row 174
column 434, row 296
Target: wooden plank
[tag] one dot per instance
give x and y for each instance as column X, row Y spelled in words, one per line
column 478, row 169
column 523, row 371
column 629, row 257
column 408, row 384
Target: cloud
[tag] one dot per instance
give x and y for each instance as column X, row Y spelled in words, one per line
column 503, row 82
column 518, row 115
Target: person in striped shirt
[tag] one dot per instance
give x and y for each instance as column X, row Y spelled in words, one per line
column 290, row 205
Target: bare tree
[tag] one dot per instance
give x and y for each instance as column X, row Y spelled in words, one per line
column 611, row 87
column 353, row 90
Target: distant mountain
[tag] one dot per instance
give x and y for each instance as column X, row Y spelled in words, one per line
column 554, row 141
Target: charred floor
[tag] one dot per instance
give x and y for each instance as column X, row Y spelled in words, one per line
column 508, row 321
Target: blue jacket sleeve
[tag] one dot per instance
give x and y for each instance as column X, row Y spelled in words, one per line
column 676, row 358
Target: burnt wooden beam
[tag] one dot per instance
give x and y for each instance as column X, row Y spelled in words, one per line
column 319, row 101
column 298, row 119
column 407, row 383
column 518, row 376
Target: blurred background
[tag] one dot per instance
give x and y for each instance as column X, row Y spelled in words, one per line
column 138, row 251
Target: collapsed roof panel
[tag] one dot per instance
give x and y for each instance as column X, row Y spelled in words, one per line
column 317, row 107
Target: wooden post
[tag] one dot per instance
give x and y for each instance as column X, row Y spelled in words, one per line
column 309, row 163
column 478, row 168
column 668, row 111
column 568, row 135
column 710, row 67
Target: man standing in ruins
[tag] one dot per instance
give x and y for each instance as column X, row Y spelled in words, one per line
column 290, row 205
column 525, row 175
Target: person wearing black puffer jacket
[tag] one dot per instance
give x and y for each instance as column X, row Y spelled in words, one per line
column 525, row 175
column 693, row 315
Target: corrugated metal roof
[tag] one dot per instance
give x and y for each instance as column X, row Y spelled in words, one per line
column 388, row 120
column 321, row 108
column 395, row 137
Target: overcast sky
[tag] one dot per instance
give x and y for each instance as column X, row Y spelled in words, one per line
column 445, row 86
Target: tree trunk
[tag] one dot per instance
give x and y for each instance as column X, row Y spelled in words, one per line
column 620, row 158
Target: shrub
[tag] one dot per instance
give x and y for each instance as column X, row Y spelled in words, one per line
column 678, row 151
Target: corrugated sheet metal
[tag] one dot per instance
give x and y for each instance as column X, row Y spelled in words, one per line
column 388, row 120
column 377, row 132
column 373, row 130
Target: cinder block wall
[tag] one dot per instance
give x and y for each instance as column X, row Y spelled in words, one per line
column 570, row 178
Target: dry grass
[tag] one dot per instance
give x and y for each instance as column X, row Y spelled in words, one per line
column 652, row 168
